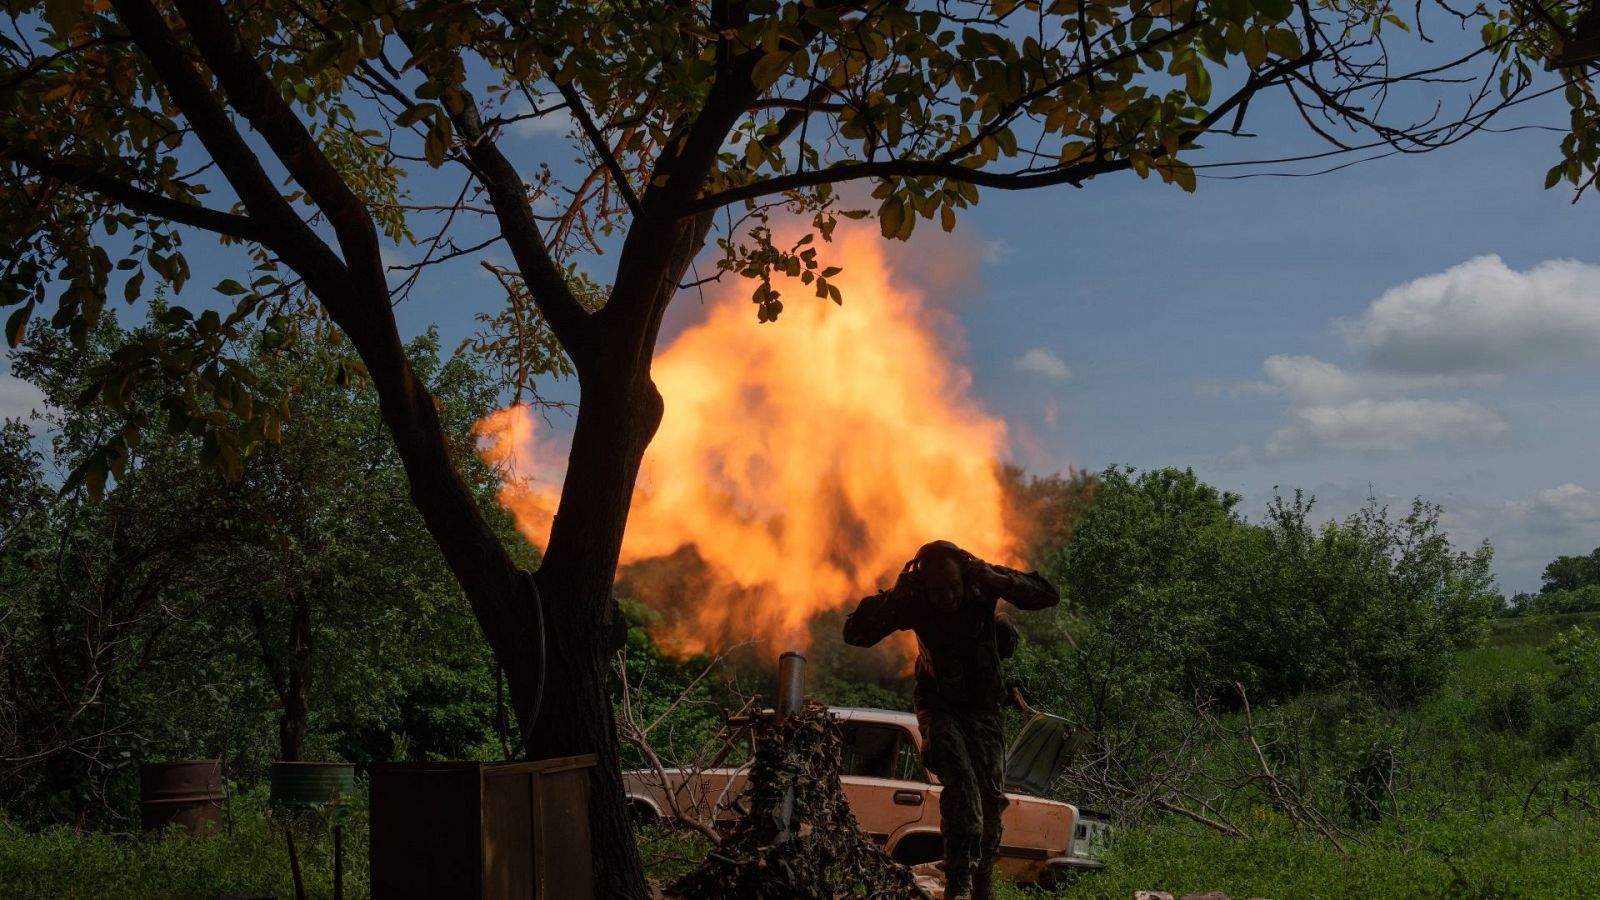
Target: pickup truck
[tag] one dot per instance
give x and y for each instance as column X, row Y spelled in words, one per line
column 896, row 801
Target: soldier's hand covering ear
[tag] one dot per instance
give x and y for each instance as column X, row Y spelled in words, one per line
column 1006, row 636
column 991, row 580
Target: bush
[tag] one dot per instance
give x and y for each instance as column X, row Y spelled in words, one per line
column 1575, row 691
column 1186, row 595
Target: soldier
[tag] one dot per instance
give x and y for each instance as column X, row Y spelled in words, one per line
column 947, row 597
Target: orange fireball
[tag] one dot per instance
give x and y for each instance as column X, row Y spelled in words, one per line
column 802, row 461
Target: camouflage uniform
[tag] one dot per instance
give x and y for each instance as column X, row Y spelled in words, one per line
column 959, row 695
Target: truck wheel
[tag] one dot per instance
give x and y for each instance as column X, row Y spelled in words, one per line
column 643, row 813
column 916, row 849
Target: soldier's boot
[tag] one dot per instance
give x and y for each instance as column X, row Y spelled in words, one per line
column 957, row 882
column 983, row 880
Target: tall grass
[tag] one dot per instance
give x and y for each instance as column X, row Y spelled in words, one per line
column 250, row 858
column 1535, row 631
column 1455, row 857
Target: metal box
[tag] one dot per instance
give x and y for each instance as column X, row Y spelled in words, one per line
column 482, row 831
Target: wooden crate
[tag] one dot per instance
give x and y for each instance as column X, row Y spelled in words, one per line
column 482, row 831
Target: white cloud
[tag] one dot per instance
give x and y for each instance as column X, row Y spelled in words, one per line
column 1241, row 455
column 994, row 253
column 1384, row 425
column 1308, row 380
column 1559, row 511
column 557, row 123
column 1529, row 531
column 1331, row 407
column 18, row 398
column 1042, row 363
column 1482, row 316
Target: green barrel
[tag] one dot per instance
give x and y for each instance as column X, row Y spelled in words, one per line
column 310, row 783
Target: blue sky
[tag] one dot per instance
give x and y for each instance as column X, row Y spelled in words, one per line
column 1413, row 326
column 1234, row 330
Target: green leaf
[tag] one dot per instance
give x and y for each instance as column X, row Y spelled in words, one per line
column 130, row 288
column 1274, row 10
column 437, row 144
column 1198, row 83
column 94, row 476
column 414, row 114
column 890, row 215
column 769, row 68
column 231, row 288
column 1284, row 42
column 17, row 324
column 1255, row 47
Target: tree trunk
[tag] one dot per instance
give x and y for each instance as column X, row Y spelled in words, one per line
column 583, row 625
column 289, row 673
column 295, row 721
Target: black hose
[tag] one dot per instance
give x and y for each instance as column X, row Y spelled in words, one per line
column 525, row 724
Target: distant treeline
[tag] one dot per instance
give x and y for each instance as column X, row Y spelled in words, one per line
column 1571, row 585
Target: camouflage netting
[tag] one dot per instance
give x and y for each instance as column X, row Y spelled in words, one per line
column 825, row 856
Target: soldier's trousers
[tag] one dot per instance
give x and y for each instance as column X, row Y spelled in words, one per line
column 966, row 749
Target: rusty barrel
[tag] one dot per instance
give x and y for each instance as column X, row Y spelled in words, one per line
column 310, row 783
column 186, row 793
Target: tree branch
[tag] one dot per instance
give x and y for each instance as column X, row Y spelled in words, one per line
column 547, row 284
column 287, row 234
column 1074, row 175
column 579, row 112
column 254, row 95
column 88, row 176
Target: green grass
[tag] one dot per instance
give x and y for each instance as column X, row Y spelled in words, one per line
column 670, row 852
column 1536, row 631
column 251, row 859
column 1456, row 858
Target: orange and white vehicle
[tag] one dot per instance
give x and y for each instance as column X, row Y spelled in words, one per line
column 896, row 801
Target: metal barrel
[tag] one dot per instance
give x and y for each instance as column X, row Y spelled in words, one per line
column 186, row 793
column 310, row 783
column 791, row 684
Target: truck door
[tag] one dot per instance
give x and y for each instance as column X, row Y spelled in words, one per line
column 883, row 778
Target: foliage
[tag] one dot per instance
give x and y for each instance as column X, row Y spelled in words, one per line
column 1571, row 573
column 1043, row 510
column 249, row 858
column 669, row 852
column 186, row 591
column 680, row 703
column 1573, row 707
column 1180, row 594
column 1558, row 601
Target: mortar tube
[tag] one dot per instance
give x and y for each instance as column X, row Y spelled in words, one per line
column 791, row 700
column 791, row 685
